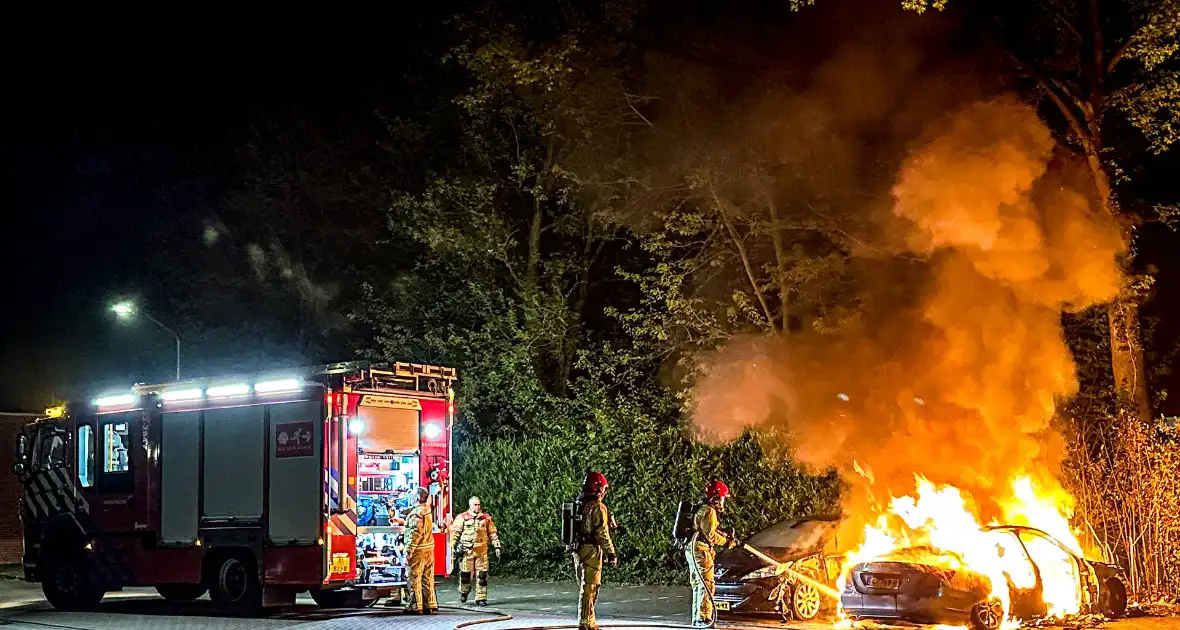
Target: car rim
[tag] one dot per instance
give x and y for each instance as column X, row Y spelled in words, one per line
column 233, row 580
column 806, row 601
column 989, row 614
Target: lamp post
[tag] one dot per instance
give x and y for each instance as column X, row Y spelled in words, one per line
column 126, row 310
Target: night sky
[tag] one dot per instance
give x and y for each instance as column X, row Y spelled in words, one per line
column 128, row 150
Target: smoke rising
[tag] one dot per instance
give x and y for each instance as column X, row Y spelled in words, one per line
column 960, row 383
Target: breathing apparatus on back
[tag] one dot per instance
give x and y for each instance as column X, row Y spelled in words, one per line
column 593, row 489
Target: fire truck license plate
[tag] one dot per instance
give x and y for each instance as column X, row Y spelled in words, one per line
column 340, row 563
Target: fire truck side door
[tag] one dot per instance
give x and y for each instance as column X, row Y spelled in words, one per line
column 112, row 486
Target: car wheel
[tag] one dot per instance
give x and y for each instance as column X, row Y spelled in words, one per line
column 805, row 602
column 987, row 615
column 1114, row 598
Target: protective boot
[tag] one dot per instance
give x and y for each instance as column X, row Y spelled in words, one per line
column 464, row 584
column 481, row 588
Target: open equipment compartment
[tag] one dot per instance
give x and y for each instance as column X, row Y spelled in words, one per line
column 402, row 425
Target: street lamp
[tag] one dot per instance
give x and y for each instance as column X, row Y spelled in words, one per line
column 127, row 310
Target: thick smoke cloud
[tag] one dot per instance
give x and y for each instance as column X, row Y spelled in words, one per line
column 960, row 383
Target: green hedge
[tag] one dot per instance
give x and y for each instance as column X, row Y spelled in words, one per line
column 651, row 466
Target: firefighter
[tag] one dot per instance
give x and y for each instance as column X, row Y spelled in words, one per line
column 700, row 554
column 594, row 546
column 419, row 536
column 471, row 532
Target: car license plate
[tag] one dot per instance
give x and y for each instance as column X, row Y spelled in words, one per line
column 722, row 605
column 873, row 581
column 340, row 563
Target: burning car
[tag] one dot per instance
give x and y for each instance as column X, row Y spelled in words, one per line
column 924, row 585
column 747, row 585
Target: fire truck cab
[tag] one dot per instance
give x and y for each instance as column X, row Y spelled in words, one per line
column 253, row 489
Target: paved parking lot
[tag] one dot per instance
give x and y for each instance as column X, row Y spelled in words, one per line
column 530, row 605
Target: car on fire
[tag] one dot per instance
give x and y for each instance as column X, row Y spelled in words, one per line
column 746, row 585
column 906, row 585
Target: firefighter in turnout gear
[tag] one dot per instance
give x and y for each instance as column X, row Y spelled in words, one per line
column 471, row 533
column 594, row 546
column 700, row 554
column 419, row 537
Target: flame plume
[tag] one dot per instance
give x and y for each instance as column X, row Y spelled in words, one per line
column 937, row 409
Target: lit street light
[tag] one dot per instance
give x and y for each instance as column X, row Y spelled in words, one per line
column 127, row 310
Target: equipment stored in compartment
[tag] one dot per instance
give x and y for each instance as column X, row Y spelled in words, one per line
column 682, row 525
column 571, row 525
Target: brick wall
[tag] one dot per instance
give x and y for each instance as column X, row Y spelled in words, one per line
column 10, row 536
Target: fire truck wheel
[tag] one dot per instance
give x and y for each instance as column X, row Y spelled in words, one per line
column 180, row 592
column 67, row 584
column 235, row 588
column 337, row 598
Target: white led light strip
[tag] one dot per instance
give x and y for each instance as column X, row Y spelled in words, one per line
column 280, row 385
column 222, row 391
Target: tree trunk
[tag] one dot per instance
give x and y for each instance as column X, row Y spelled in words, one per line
column 1126, row 335
column 780, row 256
column 1126, row 354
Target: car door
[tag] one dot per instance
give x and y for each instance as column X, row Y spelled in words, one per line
column 1023, row 580
column 1057, row 570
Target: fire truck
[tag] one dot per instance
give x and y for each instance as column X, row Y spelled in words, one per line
column 252, row 489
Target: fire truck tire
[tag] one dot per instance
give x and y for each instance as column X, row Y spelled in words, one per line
column 67, row 585
column 234, row 586
column 180, row 592
column 337, row 598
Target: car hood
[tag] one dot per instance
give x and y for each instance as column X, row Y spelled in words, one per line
column 734, row 564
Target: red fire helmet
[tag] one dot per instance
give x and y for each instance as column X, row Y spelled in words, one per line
column 595, row 482
column 716, row 489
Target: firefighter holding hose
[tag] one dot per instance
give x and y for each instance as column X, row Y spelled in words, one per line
column 707, row 534
column 471, row 533
column 595, row 546
column 419, row 536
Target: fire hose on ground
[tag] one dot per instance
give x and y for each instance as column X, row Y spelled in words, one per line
column 779, row 567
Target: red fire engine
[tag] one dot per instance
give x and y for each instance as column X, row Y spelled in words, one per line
column 253, row 489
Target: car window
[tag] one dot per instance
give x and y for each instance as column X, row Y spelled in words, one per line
column 1059, row 569
column 794, row 534
column 1016, row 562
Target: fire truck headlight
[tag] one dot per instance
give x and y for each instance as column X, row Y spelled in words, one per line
column 431, row 430
column 356, row 426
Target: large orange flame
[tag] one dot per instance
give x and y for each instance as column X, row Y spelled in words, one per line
column 938, row 526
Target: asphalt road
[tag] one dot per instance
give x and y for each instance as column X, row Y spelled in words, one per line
column 531, row 604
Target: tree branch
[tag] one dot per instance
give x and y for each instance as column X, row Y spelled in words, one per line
column 737, row 242
column 1057, row 93
column 1118, row 55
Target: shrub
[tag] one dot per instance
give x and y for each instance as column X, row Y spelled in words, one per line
column 651, row 466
